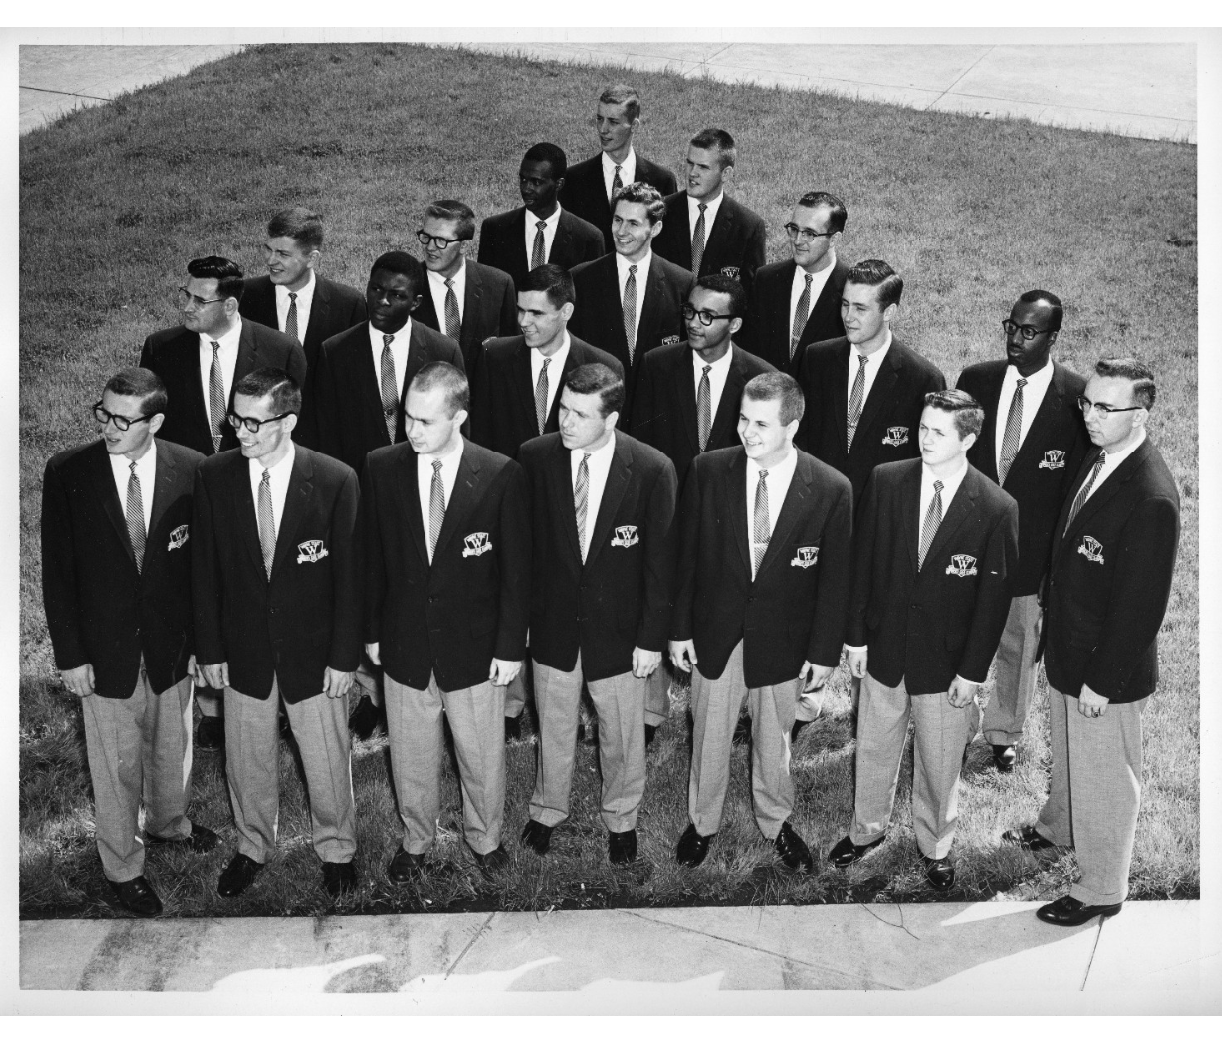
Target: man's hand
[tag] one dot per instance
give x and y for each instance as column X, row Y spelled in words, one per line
column 644, row 662
column 961, row 692
column 682, row 654
column 1091, row 704
column 79, row 680
column 335, row 684
column 856, row 661
column 196, row 673
column 1039, row 624
column 371, row 649
column 217, row 675
column 503, row 673
column 815, row 676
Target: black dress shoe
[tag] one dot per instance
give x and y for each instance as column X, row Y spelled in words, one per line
column 1004, row 758
column 493, row 860
column 513, row 728
column 338, row 879
column 201, row 840
column 792, row 850
column 845, row 852
column 1068, row 911
column 364, row 718
column 798, row 726
column 537, row 836
column 940, row 872
column 137, row 896
column 621, row 847
column 238, row 876
column 651, row 732
column 693, row 847
column 210, row 734
column 742, row 731
column 405, row 867
column 1028, row 838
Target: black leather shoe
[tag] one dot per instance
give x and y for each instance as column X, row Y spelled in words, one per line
column 742, row 731
column 1068, row 911
column 201, row 840
column 1028, row 838
column 238, row 876
column 940, row 872
column 1004, row 758
column 651, row 732
column 493, row 860
column 513, row 728
column 210, row 734
column 537, row 836
column 792, row 850
column 364, row 718
column 845, row 852
column 405, row 867
column 137, row 896
column 621, row 847
column 338, row 879
column 798, row 726
column 693, row 847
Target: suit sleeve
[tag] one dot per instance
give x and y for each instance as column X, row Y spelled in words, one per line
column 346, row 640
column 59, row 586
column 146, row 356
column 863, row 559
column 455, row 357
column 658, row 579
column 514, row 614
column 688, row 523
column 306, row 431
column 993, row 595
column 205, row 579
column 832, row 596
column 596, row 246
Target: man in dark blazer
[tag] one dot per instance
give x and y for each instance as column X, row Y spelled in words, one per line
column 116, row 583
column 1032, row 444
column 602, row 507
column 935, row 554
column 590, row 187
column 292, row 297
column 554, row 236
column 277, row 622
column 764, row 536
column 1113, row 558
column 445, row 537
column 469, row 302
column 704, row 230
column 631, row 300
column 796, row 302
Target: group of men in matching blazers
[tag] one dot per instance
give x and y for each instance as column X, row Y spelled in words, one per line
column 668, row 448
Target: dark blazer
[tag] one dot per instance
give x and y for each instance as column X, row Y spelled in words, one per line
column 794, row 610
column 307, row 617
column 599, row 317
column 342, row 396
column 101, row 610
column 664, row 407
column 619, row 598
column 174, row 355
column 584, row 192
column 335, row 307
column 503, row 397
column 766, row 331
column 1110, row 580
column 734, row 246
column 502, row 242
column 490, row 308
column 890, row 415
column 1046, row 464
column 946, row 620
column 453, row 617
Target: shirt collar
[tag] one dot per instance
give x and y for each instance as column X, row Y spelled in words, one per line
column 532, row 221
column 600, row 454
column 1040, row 378
column 280, row 469
column 718, row 366
column 375, row 335
column 439, row 279
column 228, row 342
column 952, row 482
column 878, row 355
column 448, row 459
column 785, row 466
column 642, row 265
column 609, row 164
column 145, row 464
column 282, row 292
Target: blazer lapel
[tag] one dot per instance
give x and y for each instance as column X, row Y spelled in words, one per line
column 955, row 513
column 1050, row 410
column 651, row 307
column 736, row 498
column 462, row 499
column 884, row 384
column 1111, row 485
column 574, row 359
column 560, row 485
column 244, row 506
column 685, row 378
column 560, row 243
column 163, row 484
column 320, row 307
column 910, row 512
column 617, row 483
column 840, row 390
column 473, row 297
column 248, row 356
column 988, row 435
column 524, row 383
column 799, row 491
column 726, row 417
column 108, row 492
column 296, row 499
column 407, row 475
column 722, row 229
column 366, row 375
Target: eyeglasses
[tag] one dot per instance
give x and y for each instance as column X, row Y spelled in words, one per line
column 253, row 425
column 706, row 317
column 1086, row 405
column 436, row 241
column 1030, row 332
column 120, row 422
column 185, row 299
column 805, row 234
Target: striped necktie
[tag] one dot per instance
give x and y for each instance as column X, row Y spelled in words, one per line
column 390, row 399
column 800, row 316
column 698, row 240
column 616, row 183
column 933, row 518
column 453, row 321
column 267, row 524
column 855, row 396
column 630, row 313
column 541, row 397
column 538, row 253
column 437, row 507
column 761, row 532
column 1084, row 491
column 216, row 397
column 290, row 321
column 135, row 518
column 704, row 409
column 581, row 500
column 1013, row 436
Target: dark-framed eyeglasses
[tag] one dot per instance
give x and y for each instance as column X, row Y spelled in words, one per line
column 253, row 425
column 185, row 299
column 1029, row 332
column 436, row 241
column 805, row 234
column 706, row 317
column 1086, row 405
column 121, row 422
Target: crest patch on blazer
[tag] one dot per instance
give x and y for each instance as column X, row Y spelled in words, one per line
column 311, row 551
column 896, row 436
column 1091, row 549
column 730, row 272
column 1053, row 460
column 477, row 544
column 625, row 535
column 961, row 564
column 179, row 536
column 805, row 556
column 668, row 340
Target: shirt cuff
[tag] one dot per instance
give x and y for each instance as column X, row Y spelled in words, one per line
column 853, row 650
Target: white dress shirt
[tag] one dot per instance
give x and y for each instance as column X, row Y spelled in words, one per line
column 305, row 301
column 622, row 264
column 1033, row 396
column 228, row 357
column 146, row 470
column 437, row 290
column 554, row 369
column 778, row 480
column 710, row 214
column 874, row 363
column 549, row 233
column 278, row 479
column 424, row 479
column 627, row 170
column 1111, row 460
column 599, row 466
column 399, row 346
column 818, row 280
column 719, row 371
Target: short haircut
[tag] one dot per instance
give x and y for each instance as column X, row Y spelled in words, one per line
column 600, row 379
column 730, row 286
column 228, row 275
column 299, row 224
column 645, row 194
column 284, row 391
column 1130, row 369
column 719, row 140
column 878, row 273
column 1042, row 296
column 459, row 212
column 553, row 280
column 837, row 216
column 778, row 386
column 553, row 155
column 622, row 94
column 143, row 384
column 449, row 378
column 400, row 263
column 964, row 409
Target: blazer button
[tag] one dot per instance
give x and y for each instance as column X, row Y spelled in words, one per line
column 432, row 599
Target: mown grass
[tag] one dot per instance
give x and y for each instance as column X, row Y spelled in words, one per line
column 971, row 212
